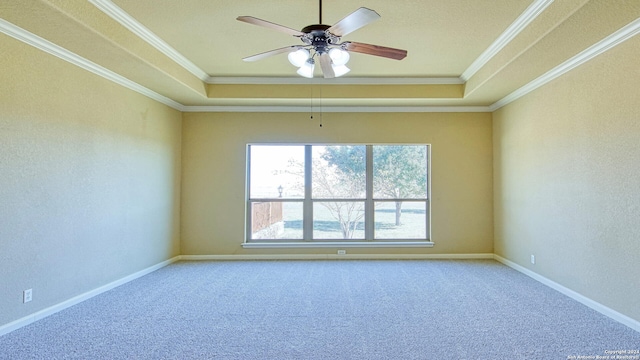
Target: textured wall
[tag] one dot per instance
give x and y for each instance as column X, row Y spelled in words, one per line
column 89, row 180
column 214, row 158
column 567, row 180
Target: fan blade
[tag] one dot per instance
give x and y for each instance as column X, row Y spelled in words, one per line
column 391, row 53
column 325, row 64
column 270, row 25
column 354, row 21
column 271, row 53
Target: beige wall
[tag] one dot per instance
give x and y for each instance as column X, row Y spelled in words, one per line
column 92, row 174
column 567, row 180
column 90, row 179
column 214, row 172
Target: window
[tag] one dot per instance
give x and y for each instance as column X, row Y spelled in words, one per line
column 337, row 194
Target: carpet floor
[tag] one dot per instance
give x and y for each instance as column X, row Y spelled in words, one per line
column 435, row 309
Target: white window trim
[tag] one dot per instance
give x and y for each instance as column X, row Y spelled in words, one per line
column 364, row 243
column 337, row 244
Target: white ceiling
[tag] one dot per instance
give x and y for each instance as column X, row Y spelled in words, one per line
column 461, row 53
column 442, row 37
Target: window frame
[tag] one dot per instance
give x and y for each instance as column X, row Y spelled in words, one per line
column 308, row 202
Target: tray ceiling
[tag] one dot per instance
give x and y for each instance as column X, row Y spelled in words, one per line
column 460, row 53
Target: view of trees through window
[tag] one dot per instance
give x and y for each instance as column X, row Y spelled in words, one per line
column 338, row 192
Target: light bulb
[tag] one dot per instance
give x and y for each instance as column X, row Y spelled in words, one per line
column 340, row 70
column 339, row 56
column 306, row 69
column 297, row 58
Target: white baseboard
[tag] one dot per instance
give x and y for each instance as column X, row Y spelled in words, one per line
column 336, row 257
column 621, row 318
column 14, row 325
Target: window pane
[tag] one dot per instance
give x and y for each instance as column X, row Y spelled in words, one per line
column 400, row 172
column 338, row 220
column 277, row 171
column 400, row 220
column 389, row 181
column 276, row 220
column 339, row 172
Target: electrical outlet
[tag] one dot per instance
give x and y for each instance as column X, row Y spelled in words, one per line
column 342, row 252
column 27, row 295
column 533, row 259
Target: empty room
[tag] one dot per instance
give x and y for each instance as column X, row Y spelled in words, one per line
column 305, row 180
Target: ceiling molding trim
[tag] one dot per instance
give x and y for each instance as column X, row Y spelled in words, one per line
column 39, row 43
column 338, row 109
column 126, row 20
column 625, row 33
column 532, row 12
column 335, row 81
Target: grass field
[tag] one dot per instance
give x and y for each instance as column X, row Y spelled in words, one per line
column 326, row 226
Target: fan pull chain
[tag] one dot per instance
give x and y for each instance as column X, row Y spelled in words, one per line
column 320, row 104
column 311, row 100
column 313, row 85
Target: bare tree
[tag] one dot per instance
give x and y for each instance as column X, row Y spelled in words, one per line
column 399, row 171
column 332, row 183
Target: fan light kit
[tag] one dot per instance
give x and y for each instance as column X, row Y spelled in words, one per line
column 323, row 42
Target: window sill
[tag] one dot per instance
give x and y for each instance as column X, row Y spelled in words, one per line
column 336, row 244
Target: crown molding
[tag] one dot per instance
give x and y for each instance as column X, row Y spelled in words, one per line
column 29, row 38
column 623, row 34
column 335, row 81
column 532, row 12
column 129, row 22
column 66, row 55
column 126, row 20
column 602, row 46
column 338, row 109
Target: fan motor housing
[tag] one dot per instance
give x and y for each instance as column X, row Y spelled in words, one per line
column 318, row 37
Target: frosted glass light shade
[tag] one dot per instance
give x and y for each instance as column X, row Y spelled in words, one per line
column 299, row 57
column 339, row 56
column 306, row 69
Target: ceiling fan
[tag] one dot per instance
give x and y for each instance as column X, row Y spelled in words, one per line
column 323, row 41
